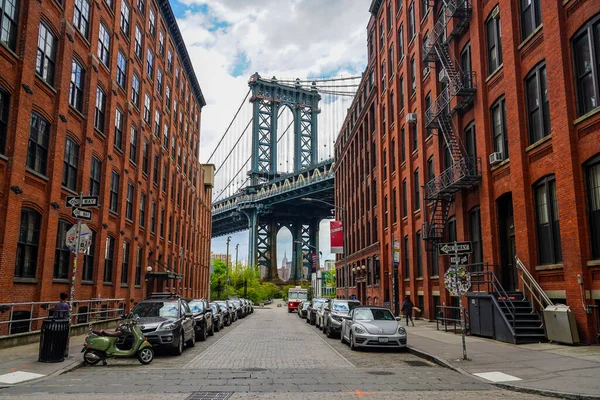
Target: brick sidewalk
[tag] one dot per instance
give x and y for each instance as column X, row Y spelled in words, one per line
column 562, row 370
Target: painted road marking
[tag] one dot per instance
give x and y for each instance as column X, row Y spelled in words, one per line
column 18, row 376
column 496, row 376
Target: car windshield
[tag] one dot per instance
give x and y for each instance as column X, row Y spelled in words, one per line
column 317, row 303
column 222, row 304
column 214, row 307
column 196, row 306
column 373, row 314
column 305, row 305
column 165, row 309
column 236, row 303
column 343, row 306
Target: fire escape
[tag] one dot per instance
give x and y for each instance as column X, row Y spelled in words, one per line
column 457, row 95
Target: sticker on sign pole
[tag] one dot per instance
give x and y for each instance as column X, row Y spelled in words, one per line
column 85, row 240
column 457, row 281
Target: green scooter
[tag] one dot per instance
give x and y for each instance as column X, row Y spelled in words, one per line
column 126, row 341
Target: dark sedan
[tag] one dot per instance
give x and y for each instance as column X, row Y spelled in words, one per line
column 204, row 318
column 228, row 316
column 217, row 317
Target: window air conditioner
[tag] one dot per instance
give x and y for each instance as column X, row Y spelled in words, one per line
column 444, row 76
column 411, row 118
column 495, row 158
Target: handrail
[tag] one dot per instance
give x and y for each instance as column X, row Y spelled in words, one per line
column 494, row 284
column 535, row 290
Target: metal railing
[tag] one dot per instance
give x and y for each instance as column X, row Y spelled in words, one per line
column 449, row 316
column 531, row 287
column 482, row 274
column 27, row 317
column 463, row 168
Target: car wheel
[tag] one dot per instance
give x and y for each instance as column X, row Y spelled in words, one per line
column 202, row 333
column 218, row 328
column 192, row 341
column 179, row 349
column 342, row 336
column 351, row 340
column 146, row 355
column 307, row 320
column 212, row 330
column 328, row 332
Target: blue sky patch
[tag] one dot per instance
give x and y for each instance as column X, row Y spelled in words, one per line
column 241, row 65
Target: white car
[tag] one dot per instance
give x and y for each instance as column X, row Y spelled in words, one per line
column 372, row 326
column 321, row 313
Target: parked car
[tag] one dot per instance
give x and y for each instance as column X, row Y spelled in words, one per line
column 226, row 310
column 251, row 303
column 204, row 318
column 217, row 316
column 320, row 314
column 166, row 320
column 245, row 306
column 372, row 326
column 334, row 313
column 237, row 305
column 303, row 309
column 315, row 304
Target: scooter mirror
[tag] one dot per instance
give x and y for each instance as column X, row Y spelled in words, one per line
column 123, row 316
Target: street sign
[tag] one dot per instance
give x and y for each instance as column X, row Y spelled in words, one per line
column 85, row 240
column 82, row 213
column 453, row 248
column 396, row 252
column 459, row 260
column 88, row 201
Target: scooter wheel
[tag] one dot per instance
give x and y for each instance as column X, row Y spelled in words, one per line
column 90, row 357
column 146, row 355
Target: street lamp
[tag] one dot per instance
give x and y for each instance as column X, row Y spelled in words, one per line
column 343, row 210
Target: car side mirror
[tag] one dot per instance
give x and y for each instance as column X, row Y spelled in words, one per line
column 398, row 318
column 346, row 317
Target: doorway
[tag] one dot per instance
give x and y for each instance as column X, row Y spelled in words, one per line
column 506, row 230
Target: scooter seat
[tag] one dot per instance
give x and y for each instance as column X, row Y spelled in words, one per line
column 107, row 333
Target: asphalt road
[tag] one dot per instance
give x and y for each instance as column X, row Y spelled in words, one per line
column 268, row 355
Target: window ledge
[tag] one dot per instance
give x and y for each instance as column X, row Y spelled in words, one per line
column 138, row 286
column 9, row 50
column 107, row 283
column 538, row 143
column 548, row 267
column 77, row 112
column 57, row 280
column 503, row 163
column 419, row 279
column 434, row 277
column 87, row 282
column 113, row 213
column 531, row 35
column 593, row 263
column 25, row 280
column 3, row 157
column 494, row 73
column 586, row 116
column 407, row 280
column 37, row 174
column 47, row 85
column 66, row 189
column 417, row 212
column 124, row 285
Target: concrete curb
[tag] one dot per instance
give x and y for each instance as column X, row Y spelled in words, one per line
column 508, row 386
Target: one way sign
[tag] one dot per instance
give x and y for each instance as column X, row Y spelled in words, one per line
column 86, row 201
column 82, row 213
column 455, row 247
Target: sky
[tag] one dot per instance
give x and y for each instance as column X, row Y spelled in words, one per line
column 229, row 40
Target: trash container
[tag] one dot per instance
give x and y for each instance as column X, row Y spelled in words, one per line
column 53, row 339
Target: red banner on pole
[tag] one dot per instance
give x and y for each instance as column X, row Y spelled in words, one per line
column 336, row 229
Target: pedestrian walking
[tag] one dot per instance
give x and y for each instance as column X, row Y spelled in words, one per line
column 407, row 307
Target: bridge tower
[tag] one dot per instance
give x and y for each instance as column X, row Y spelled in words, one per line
column 267, row 98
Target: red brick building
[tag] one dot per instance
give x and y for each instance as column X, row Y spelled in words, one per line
column 529, row 111
column 100, row 97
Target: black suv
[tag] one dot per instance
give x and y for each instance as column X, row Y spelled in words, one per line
column 203, row 315
column 166, row 320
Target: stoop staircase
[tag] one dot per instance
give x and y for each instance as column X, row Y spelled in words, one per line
column 527, row 324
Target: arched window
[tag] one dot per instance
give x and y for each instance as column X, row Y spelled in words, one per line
column 62, row 254
column 29, row 241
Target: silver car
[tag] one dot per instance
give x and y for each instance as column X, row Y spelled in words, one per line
column 334, row 313
column 320, row 313
column 372, row 326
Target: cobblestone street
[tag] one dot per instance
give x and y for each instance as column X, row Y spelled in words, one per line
column 268, row 355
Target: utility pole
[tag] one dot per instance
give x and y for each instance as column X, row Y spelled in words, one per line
column 236, row 254
column 227, row 261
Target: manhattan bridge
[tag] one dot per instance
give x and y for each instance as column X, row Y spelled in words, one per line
column 274, row 166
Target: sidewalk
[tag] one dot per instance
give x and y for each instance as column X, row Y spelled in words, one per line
column 20, row 364
column 544, row 368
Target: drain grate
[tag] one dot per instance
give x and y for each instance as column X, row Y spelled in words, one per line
column 253, row 369
column 381, row 373
column 414, row 363
column 209, row 396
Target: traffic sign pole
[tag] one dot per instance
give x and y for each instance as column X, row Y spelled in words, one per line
column 73, row 275
column 462, row 310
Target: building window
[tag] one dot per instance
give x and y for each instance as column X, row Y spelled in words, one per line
column 164, row 178
column 9, row 17
column 434, row 261
column 381, row 36
column 402, row 145
column 161, row 43
column 155, row 170
column 383, row 72
column 162, row 222
column 125, row 18
column 494, row 41
column 87, row 275
column 471, row 141
column 531, row 17
column 118, row 129
column 122, row 70
column 500, row 136
column 538, row 109
column 152, row 22
column 406, row 259
column 125, row 264
column 168, row 97
column 142, row 210
column 81, row 16
column 114, row 192
column 149, row 64
column 586, row 48
column 166, row 137
column 4, row 107
column 415, row 138
column 76, row 87
column 156, row 122
column 153, row 218
column 70, row 163
column 413, row 76
column 548, row 227
column 147, row 108
column 138, row 42
column 133, row 139
column 452, row 229
column 159, row 82
column 138, row 266
column 401, row 94
column 418, row 245
column 411, row 21
column 100, row 109
column 95, row 175
column 417, row 190
column 404, row 199
column 401, row 42
column 592, row 175
column 104, row 45
column 385, row 212
column 141, row 5
column 109, row 253
column 37, row 150
column 29, row 241
column 475, row 231
column 393, row 156
column 61, row 253
column 145, row 158
column 46, row 54
column 129, row 202
column 135, row 90
column 391, row 61
column 170, row 61
column 394, row 206
column 430, row 169
column 384, row 164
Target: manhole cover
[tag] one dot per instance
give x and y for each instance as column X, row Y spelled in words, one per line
column 209, row 396
column 254, row 369
column 380, row 373
column 413, row 363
